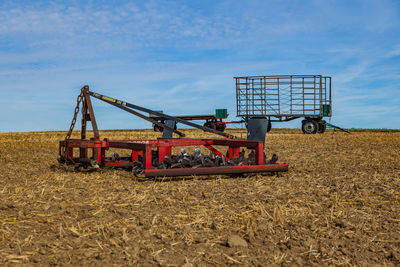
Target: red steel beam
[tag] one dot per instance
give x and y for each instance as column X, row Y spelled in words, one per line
column 214, row 150
column 118, row 164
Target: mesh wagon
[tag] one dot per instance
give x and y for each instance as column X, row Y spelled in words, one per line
column 285, row 98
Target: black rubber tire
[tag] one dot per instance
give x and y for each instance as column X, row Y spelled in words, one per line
column 157, row 128
column 321, row 126
column 210, row 125
column 309, row 127
column 269, row 126
column 221, row 128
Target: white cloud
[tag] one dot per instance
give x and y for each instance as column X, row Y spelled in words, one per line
column 159, row 52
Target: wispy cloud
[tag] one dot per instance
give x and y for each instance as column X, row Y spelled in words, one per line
column 182, row 57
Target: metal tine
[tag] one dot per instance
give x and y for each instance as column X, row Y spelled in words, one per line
column 198, row 159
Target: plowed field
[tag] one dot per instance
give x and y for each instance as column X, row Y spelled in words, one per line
column 338, row 204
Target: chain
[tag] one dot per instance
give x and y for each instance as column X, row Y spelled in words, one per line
column 71, row 128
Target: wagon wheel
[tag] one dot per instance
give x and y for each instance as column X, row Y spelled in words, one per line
column 157, row 128
column 210, row 125
column 309, row 127
column 321, row 126
column 269, row 126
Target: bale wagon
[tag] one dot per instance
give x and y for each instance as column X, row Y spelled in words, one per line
column 284, row 98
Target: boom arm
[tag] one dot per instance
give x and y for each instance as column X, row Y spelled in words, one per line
column 124, row 105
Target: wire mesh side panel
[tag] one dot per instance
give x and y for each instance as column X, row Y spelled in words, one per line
column 326, row 90
column 279, row 96
column 251, row 97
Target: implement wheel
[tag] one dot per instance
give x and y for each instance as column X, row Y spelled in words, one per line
column 309, row 127
column 221, row 127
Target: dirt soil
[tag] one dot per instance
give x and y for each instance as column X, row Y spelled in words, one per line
column 339, row 204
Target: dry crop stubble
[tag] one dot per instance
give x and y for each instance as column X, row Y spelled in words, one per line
column 338, row 204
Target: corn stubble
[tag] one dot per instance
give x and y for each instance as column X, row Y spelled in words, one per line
column 338, row 204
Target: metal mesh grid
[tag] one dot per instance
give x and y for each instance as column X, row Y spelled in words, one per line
column 282, row 96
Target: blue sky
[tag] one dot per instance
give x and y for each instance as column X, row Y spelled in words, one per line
column 180, row 56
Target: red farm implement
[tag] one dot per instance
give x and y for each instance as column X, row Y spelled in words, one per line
column 154, row 158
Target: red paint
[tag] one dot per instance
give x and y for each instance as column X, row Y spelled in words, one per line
column 216, row 170
column 164, row 146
